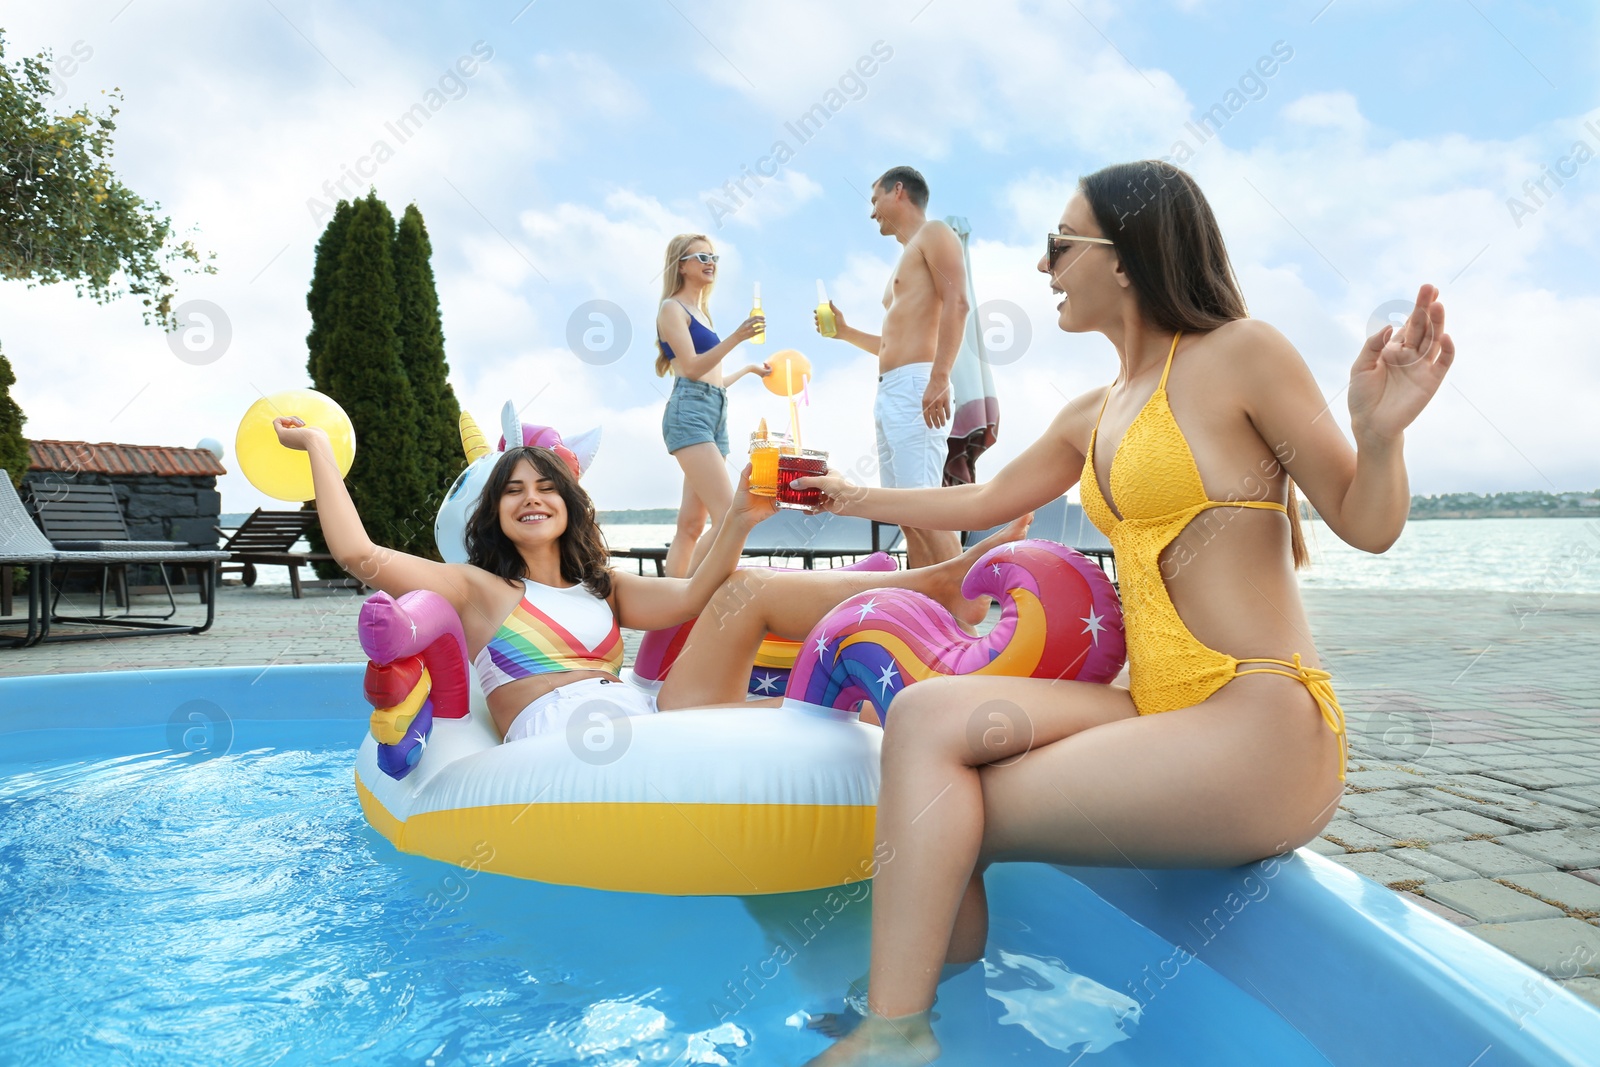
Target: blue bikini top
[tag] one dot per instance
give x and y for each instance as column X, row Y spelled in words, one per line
column 703, row 336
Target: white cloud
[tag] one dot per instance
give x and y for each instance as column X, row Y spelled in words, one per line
column 756, row 202
column 1337, row 110
column 1023, row 75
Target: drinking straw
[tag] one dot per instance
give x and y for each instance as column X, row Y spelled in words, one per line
column 794, row 415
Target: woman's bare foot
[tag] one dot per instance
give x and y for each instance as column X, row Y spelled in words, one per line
column 884, row 1042
column 943, row 581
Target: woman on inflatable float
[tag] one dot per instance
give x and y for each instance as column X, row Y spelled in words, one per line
column 538, row 570
column 562, row 775
column 1222, row 751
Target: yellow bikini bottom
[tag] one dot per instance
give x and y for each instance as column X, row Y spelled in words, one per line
column 1316, row 680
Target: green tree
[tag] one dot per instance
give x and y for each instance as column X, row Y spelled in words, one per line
column 422, row 354
column 13, row 446
column 322, row 283
column 364, row 374
column 64, row 216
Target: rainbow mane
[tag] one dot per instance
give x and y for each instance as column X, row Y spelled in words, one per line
column 1059, row 618
column 417, row 671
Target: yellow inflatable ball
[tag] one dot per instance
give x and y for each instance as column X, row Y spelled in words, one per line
column 789, row 369
column 285, row 473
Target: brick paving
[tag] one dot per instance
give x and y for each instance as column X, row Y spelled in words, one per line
column 1474, row 723
column 1474, row 779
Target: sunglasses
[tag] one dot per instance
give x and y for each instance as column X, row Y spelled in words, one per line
column 704, row 257
column 1057, row 243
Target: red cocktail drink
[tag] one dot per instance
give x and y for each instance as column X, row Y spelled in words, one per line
column 808, row 463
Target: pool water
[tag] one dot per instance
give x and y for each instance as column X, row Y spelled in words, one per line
column 182, row 903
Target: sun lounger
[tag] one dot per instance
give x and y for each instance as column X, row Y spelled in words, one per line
column 22, row 543
column 796, row 535
column 265, row 539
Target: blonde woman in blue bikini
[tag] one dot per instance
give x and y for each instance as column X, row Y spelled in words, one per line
column 1228, row 744
column 695, row 424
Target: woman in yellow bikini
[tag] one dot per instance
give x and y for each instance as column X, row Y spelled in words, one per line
column 1227, row 746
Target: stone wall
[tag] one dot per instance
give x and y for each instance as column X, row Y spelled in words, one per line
column 156, row 507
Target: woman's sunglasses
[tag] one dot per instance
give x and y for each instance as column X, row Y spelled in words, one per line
column 1057, row 243
column 704, row 257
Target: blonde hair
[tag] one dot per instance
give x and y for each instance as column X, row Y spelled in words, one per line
column 672, row 282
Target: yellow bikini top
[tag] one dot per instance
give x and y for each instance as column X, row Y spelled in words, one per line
column 1153, row 474
column 1156, row 485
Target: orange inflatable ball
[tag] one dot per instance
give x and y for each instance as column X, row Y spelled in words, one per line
column 790, row 370
column 285, row 473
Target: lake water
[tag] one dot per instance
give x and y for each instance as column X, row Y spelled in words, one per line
column 1534, row 556
column 1538, row 556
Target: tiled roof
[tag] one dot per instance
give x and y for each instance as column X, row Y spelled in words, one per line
column 109, row 458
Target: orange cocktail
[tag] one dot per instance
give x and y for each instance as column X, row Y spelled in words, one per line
column 764, row 451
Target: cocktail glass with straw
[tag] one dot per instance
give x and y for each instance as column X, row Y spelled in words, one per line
column 765, row 448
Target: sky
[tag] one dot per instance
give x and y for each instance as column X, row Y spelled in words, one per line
column 1393, row 144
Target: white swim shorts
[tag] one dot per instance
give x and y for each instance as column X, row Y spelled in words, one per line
column 609, row 697
column 911, row 454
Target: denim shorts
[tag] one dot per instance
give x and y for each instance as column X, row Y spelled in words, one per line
column 696, row 413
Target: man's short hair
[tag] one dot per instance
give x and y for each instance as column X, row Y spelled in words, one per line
column 916, row 185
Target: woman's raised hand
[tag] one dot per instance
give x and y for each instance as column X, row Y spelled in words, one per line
column 1398, row 371
column 750, row 327
column 294, row 433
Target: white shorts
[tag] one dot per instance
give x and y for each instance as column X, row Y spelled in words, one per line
column 911, row 453
column 552, row 712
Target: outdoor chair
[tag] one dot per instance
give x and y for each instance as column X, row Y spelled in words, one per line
column 88, row 518
column 795, row 535
column 22, row 543
column 265, row 539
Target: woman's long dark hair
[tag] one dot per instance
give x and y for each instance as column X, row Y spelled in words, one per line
column 1172, row 250
column 583, row 550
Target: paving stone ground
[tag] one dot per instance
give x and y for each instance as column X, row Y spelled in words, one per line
column 1474, row 724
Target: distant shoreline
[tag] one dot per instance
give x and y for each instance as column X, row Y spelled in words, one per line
column 638, row 517
column 1524, row 513
column 668, row 516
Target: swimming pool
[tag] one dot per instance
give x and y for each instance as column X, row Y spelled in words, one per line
column 186, row 876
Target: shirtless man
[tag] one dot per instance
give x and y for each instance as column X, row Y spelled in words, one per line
column 925, row 314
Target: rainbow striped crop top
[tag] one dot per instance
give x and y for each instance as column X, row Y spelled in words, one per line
column 551, row 630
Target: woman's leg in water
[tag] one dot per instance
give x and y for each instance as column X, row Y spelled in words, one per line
column 714, row 666
column 1248, row 773
column 691, row 524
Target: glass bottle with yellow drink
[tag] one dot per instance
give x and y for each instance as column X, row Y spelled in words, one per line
column 761, row 336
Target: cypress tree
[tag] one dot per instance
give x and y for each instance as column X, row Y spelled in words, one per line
column 322, row 277
column 422, row 355
column 13, row 446
column 361, row 363
column 322, row 286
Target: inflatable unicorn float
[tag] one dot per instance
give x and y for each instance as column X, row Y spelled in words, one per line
column 699, row 801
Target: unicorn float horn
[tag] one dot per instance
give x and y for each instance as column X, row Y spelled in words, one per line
column 473, row 443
